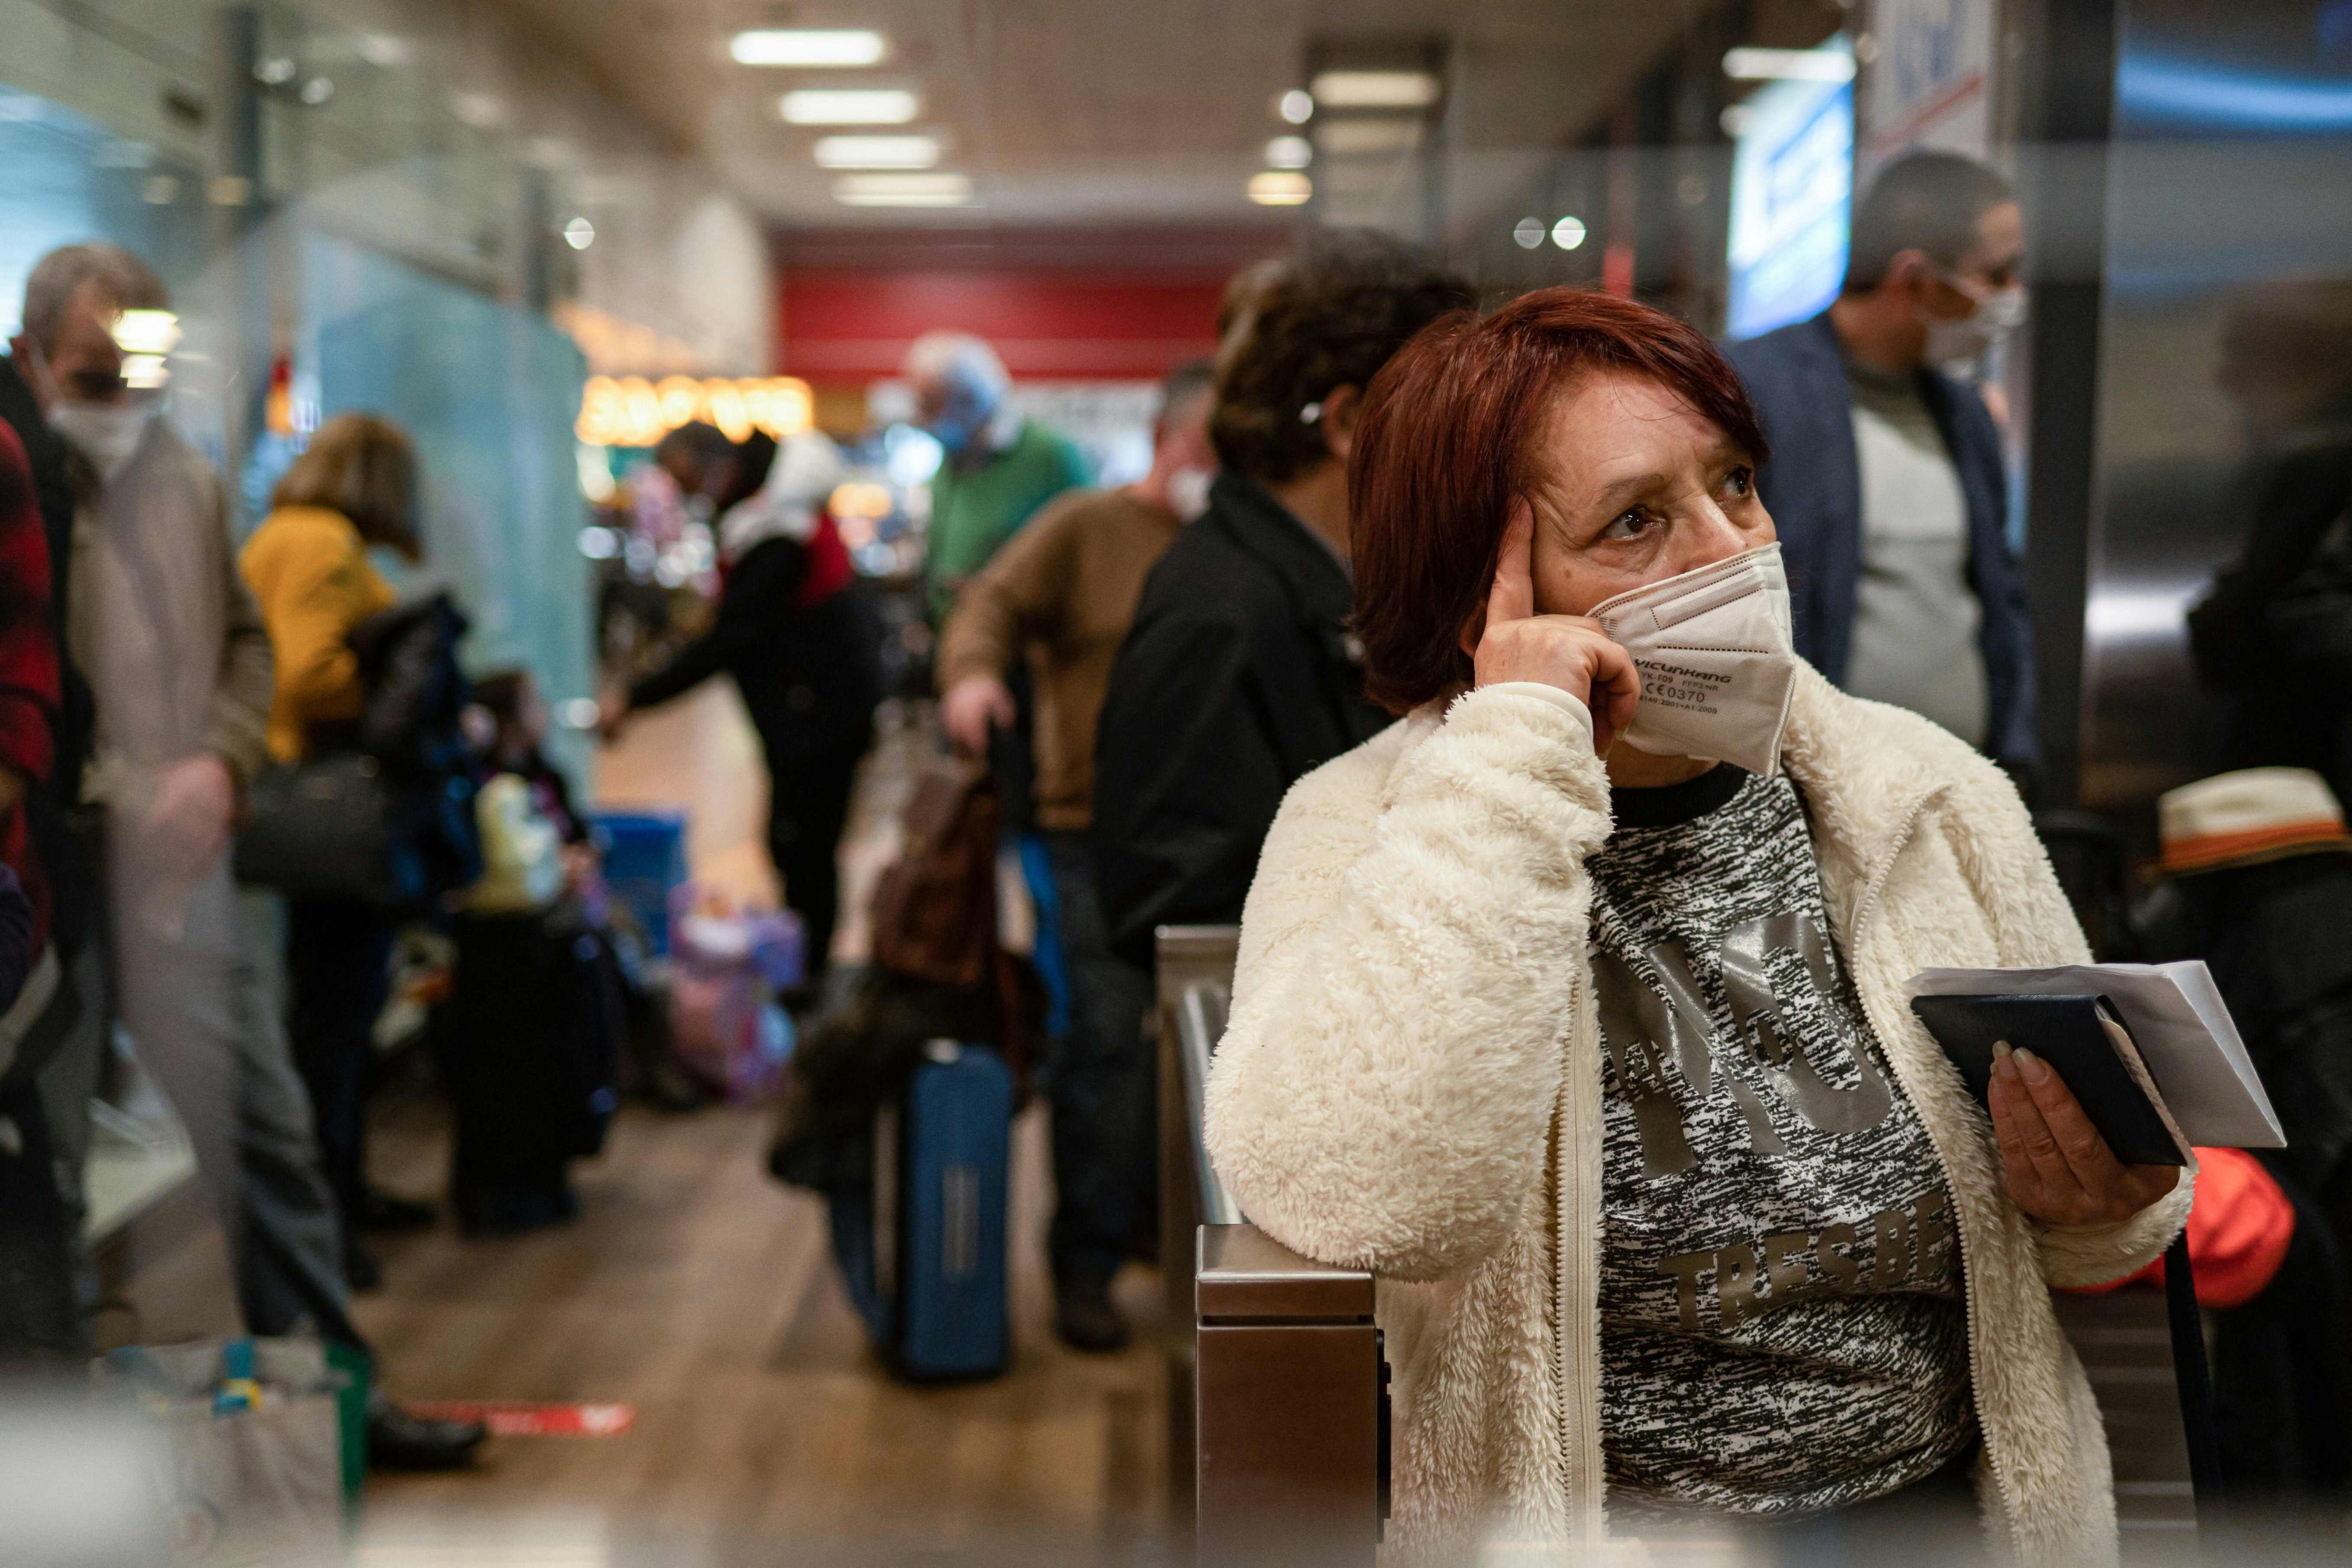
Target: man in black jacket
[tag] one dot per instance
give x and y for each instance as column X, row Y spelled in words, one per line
column 795, row 629
column 1240, row 674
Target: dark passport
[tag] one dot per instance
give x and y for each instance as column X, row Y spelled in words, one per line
column 2067, row 1033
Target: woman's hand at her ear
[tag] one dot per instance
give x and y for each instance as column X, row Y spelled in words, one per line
column 1569, row 652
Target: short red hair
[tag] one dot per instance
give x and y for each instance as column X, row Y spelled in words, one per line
column 1444, row 448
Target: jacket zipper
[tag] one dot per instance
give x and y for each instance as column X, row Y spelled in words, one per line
column 1575, row 1354
column 1863, row 912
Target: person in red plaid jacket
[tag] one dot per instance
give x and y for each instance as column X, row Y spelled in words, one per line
column 29, row 694
column 39, row 1323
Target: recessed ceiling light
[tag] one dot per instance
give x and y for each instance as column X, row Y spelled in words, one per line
column 808, row 46
column 903, row 190
column 876, row 151
column 849, row 106
column 1789, row 65
column 1280, row 188
column 1290, row 153
column 146, row 332
column 1297, row 106
column 1568, row 233
column 1383, row 133
column 1528, row 232
column 1375, row 89
column 580, row 234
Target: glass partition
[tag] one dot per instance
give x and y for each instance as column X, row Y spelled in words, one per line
column 489, row 391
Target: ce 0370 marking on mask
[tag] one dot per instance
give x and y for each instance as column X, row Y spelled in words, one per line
column 1714, row 650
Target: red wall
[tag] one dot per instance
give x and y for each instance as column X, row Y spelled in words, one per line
column 851, row 326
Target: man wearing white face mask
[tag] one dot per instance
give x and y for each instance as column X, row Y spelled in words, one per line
column 1062, row 595
column 179, row 665
column 1887, row 479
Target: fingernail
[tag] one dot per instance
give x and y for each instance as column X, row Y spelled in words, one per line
column 2036, row 1070
column 2000, row 1048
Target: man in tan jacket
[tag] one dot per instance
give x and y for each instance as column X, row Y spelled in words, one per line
column 1062, row 594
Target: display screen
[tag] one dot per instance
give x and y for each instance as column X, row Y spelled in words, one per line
column 1792, row 201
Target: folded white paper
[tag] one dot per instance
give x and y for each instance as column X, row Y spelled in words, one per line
column 2177, row 1019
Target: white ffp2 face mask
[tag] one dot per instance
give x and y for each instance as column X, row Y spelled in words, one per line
column 1187, row 492
column 1715, row 657
column 1965, row 339
column 107, row 434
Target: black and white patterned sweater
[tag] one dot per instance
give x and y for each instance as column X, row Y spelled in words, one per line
column 1782, row 1328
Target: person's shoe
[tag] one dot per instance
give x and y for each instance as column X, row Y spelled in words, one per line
column 361, row 1272
column 381, row 1211
column 1084, row 1316
column 397, row 1440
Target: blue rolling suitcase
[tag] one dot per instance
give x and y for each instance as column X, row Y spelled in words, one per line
column 943, row 1227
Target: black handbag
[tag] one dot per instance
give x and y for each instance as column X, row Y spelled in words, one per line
column 331, row 826
column 385, row 815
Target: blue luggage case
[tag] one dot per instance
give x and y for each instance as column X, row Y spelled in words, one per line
column 947, row 1262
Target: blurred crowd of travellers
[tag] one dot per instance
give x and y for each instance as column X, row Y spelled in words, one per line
column 244, row 786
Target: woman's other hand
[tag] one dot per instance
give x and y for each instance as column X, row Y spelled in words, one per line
column 2060, row 1169
column 1569, row 652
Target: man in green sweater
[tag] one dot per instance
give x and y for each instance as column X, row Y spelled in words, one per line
column 999, row 469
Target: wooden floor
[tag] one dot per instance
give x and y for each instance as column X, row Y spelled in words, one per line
column 698, row 1290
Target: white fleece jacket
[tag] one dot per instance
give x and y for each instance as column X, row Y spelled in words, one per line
column 1410, row 1084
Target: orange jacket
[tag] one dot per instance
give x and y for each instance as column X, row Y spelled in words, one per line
column 2240, row 1225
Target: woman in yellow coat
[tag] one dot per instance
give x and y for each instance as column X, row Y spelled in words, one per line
column 307, row 565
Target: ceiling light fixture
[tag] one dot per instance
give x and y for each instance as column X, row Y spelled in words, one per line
column 1789, row 65
column 1280, row 188
column 1367, row 135
column 849, row 106
column 1528, row 232
column 580, row 234
column 903, row 190
column 808, row 46
column 1297, row 106
column 145, row 331
column 1375, row 89
column 876, row 151
column 146, row 337
column 1568, row 233
column 1290, row 153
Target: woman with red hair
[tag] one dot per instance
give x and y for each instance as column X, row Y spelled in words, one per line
column 1572, row 1003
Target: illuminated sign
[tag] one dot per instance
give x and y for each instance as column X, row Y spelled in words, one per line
column 1791, row 191
column 630, row 411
